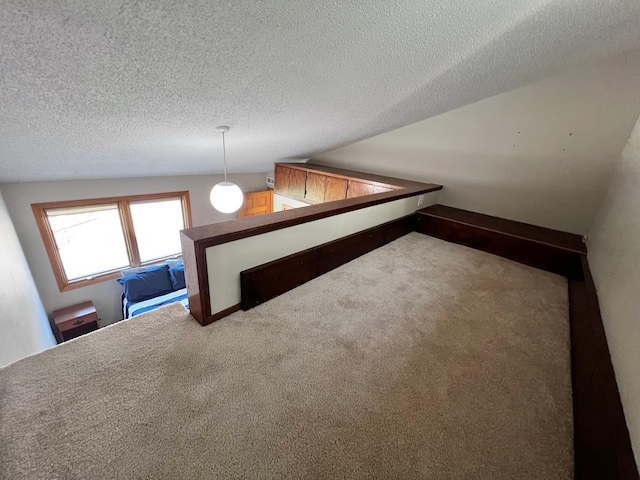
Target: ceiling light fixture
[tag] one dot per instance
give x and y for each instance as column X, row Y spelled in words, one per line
column 226, row 197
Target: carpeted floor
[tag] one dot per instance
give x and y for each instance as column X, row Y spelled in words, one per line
column 422, row 359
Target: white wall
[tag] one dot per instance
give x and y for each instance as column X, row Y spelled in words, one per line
column 24, row 327
column 227, row 260
column 614, row 259
column 105, row 295
column 279, row 200
column 540, row 154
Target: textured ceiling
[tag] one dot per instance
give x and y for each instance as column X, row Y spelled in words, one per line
column 97, row 89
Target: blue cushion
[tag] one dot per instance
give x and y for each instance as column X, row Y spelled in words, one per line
column 128, row 271
column 177, row 277
column 151, row 282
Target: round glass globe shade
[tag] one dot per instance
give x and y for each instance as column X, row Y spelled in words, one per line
column 226, row 197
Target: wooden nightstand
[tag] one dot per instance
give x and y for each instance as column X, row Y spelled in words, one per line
column 76, row 320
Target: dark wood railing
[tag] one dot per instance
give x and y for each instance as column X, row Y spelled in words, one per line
column 196, row 240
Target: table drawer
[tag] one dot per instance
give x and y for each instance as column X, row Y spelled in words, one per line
column 76, row 322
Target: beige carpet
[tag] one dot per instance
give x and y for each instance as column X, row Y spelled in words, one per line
column 422, row 359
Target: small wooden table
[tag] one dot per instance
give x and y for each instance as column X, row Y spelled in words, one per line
column 76, row 320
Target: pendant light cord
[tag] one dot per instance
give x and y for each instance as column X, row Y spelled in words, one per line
column 224, row 157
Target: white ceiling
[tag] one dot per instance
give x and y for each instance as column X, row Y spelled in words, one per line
column 103, row 89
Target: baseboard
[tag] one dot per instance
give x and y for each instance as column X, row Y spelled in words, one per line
column 550, row 250
column 221, row 314
column 602, row 446
column 267, row 281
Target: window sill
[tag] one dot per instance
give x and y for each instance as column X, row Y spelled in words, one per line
column 66, row 285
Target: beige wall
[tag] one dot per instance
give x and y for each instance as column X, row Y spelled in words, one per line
column 539, row 154
column 279, row 200
column 105, row 295
column 614, row 258
column 24, row 328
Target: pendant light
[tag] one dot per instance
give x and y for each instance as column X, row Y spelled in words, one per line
column 226, row 197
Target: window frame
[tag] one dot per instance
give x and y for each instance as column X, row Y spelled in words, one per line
column 126, row 219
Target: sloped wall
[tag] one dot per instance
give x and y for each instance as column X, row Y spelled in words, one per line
column 540, row 154
column 614, row 258
column 24, row 327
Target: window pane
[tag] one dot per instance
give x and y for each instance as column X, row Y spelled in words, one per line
column 90, row 239
column 157, row 225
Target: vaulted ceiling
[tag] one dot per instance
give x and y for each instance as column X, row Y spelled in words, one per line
column 95, row 89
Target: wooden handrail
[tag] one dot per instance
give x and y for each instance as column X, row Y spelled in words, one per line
column 217, row 233
column 196, row 240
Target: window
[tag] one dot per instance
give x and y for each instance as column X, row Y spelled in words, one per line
column 155, row 224
column 90, row 241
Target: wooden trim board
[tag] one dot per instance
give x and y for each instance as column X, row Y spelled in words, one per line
column 221, row 314
column 550, row 250
column 267, row 281
column 602, row 447
column 195, row 241
column 601, row 439
column 215, row 234
column 553, row 238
